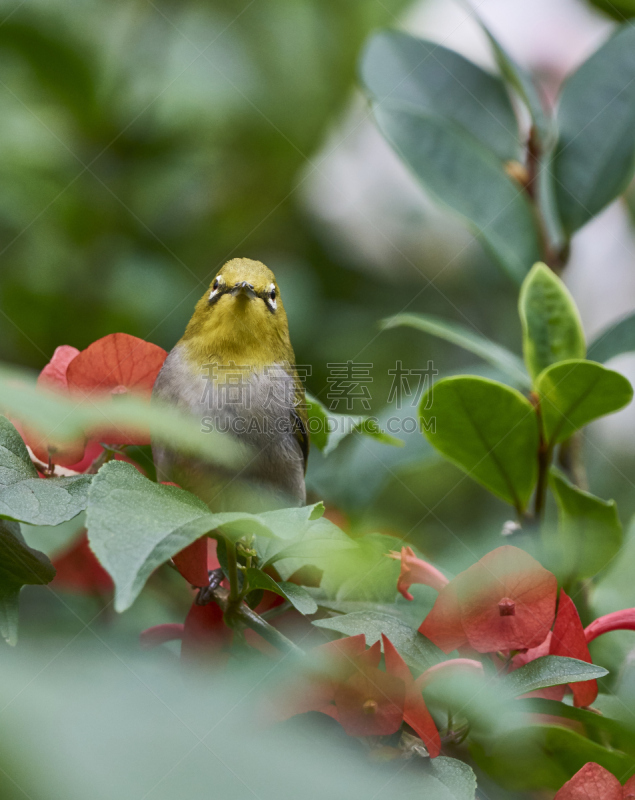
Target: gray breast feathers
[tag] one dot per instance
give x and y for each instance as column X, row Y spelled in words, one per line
column 255, row 408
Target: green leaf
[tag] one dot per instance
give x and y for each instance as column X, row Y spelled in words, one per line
column 466, row 177
column 20, row 565
column 552, row 329
column 618, row 9
column 549, row 671
column 299, row 598
column 522, row 84
column 574, row 393
column 589, row 530
column 328, row 429
column 24, row 497
column 440, row 778
column 312, row 544
column 595, row 155
column 427, row 77
column 415, row 649
column 618, row 338
column 453, row 332
column 544, row 757
column 487, row 429
column 602, row 725
column 48, row 501
column 135, row 525
column 15, row 462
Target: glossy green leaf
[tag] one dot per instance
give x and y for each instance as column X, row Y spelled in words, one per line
column 552, row 329
column 299, row 598
column 430, row 78
column 549, row 671
column 595, row 155
column 328, row 429
column 618, row 338
column 463, row 175
column 589, row 529
column 574, row 393
column 20, row 565
column 135, row 525
column 497, row 355
column 487, row 429
column 418, row 651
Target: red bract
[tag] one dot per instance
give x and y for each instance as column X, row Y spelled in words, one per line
column 415, row 570
column 415, row 711
column 204, row 636
column 592, row 782
column 617, row 621
column 114, row 365
column 506, row 601
column 568, row 639
column 77, row 569
column 196, row 561
column 53, row 378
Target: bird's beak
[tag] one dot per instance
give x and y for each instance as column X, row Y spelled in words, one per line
column 242, row 287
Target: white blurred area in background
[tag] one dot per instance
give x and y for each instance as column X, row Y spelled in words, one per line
column 381, row 219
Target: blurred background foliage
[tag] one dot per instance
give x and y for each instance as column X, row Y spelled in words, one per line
column 145, row 142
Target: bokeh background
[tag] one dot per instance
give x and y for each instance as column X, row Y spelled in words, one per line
column 145, row 142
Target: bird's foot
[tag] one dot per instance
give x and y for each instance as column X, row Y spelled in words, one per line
column 206, row 593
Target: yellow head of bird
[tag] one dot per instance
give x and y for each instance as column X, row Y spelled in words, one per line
column 240, row 318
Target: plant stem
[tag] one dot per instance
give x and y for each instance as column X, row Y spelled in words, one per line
column 544, row 460
column 241, row 613
column 232, row 569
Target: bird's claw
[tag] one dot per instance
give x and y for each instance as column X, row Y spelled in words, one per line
column 206, row 593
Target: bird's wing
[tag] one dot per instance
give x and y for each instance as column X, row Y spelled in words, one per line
column 299, row 418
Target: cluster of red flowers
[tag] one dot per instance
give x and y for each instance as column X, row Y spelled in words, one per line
column 506, row 603
column 593, row 782
column 350, row 687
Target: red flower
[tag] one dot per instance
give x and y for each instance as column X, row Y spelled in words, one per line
column 593, row 782
column 196, row 561
column 370, row 703
column 415, row 570
column 506, row 601
column 77, row 569
column 415, row 711
column 116, row 364
column 204, row 636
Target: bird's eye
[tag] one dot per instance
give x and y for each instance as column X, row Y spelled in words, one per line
column 215, row 293
column 272, row 294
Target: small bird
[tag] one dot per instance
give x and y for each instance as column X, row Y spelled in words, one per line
column 234, row 369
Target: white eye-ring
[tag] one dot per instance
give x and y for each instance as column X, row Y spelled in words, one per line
column 271, row 297
column 215, row 290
